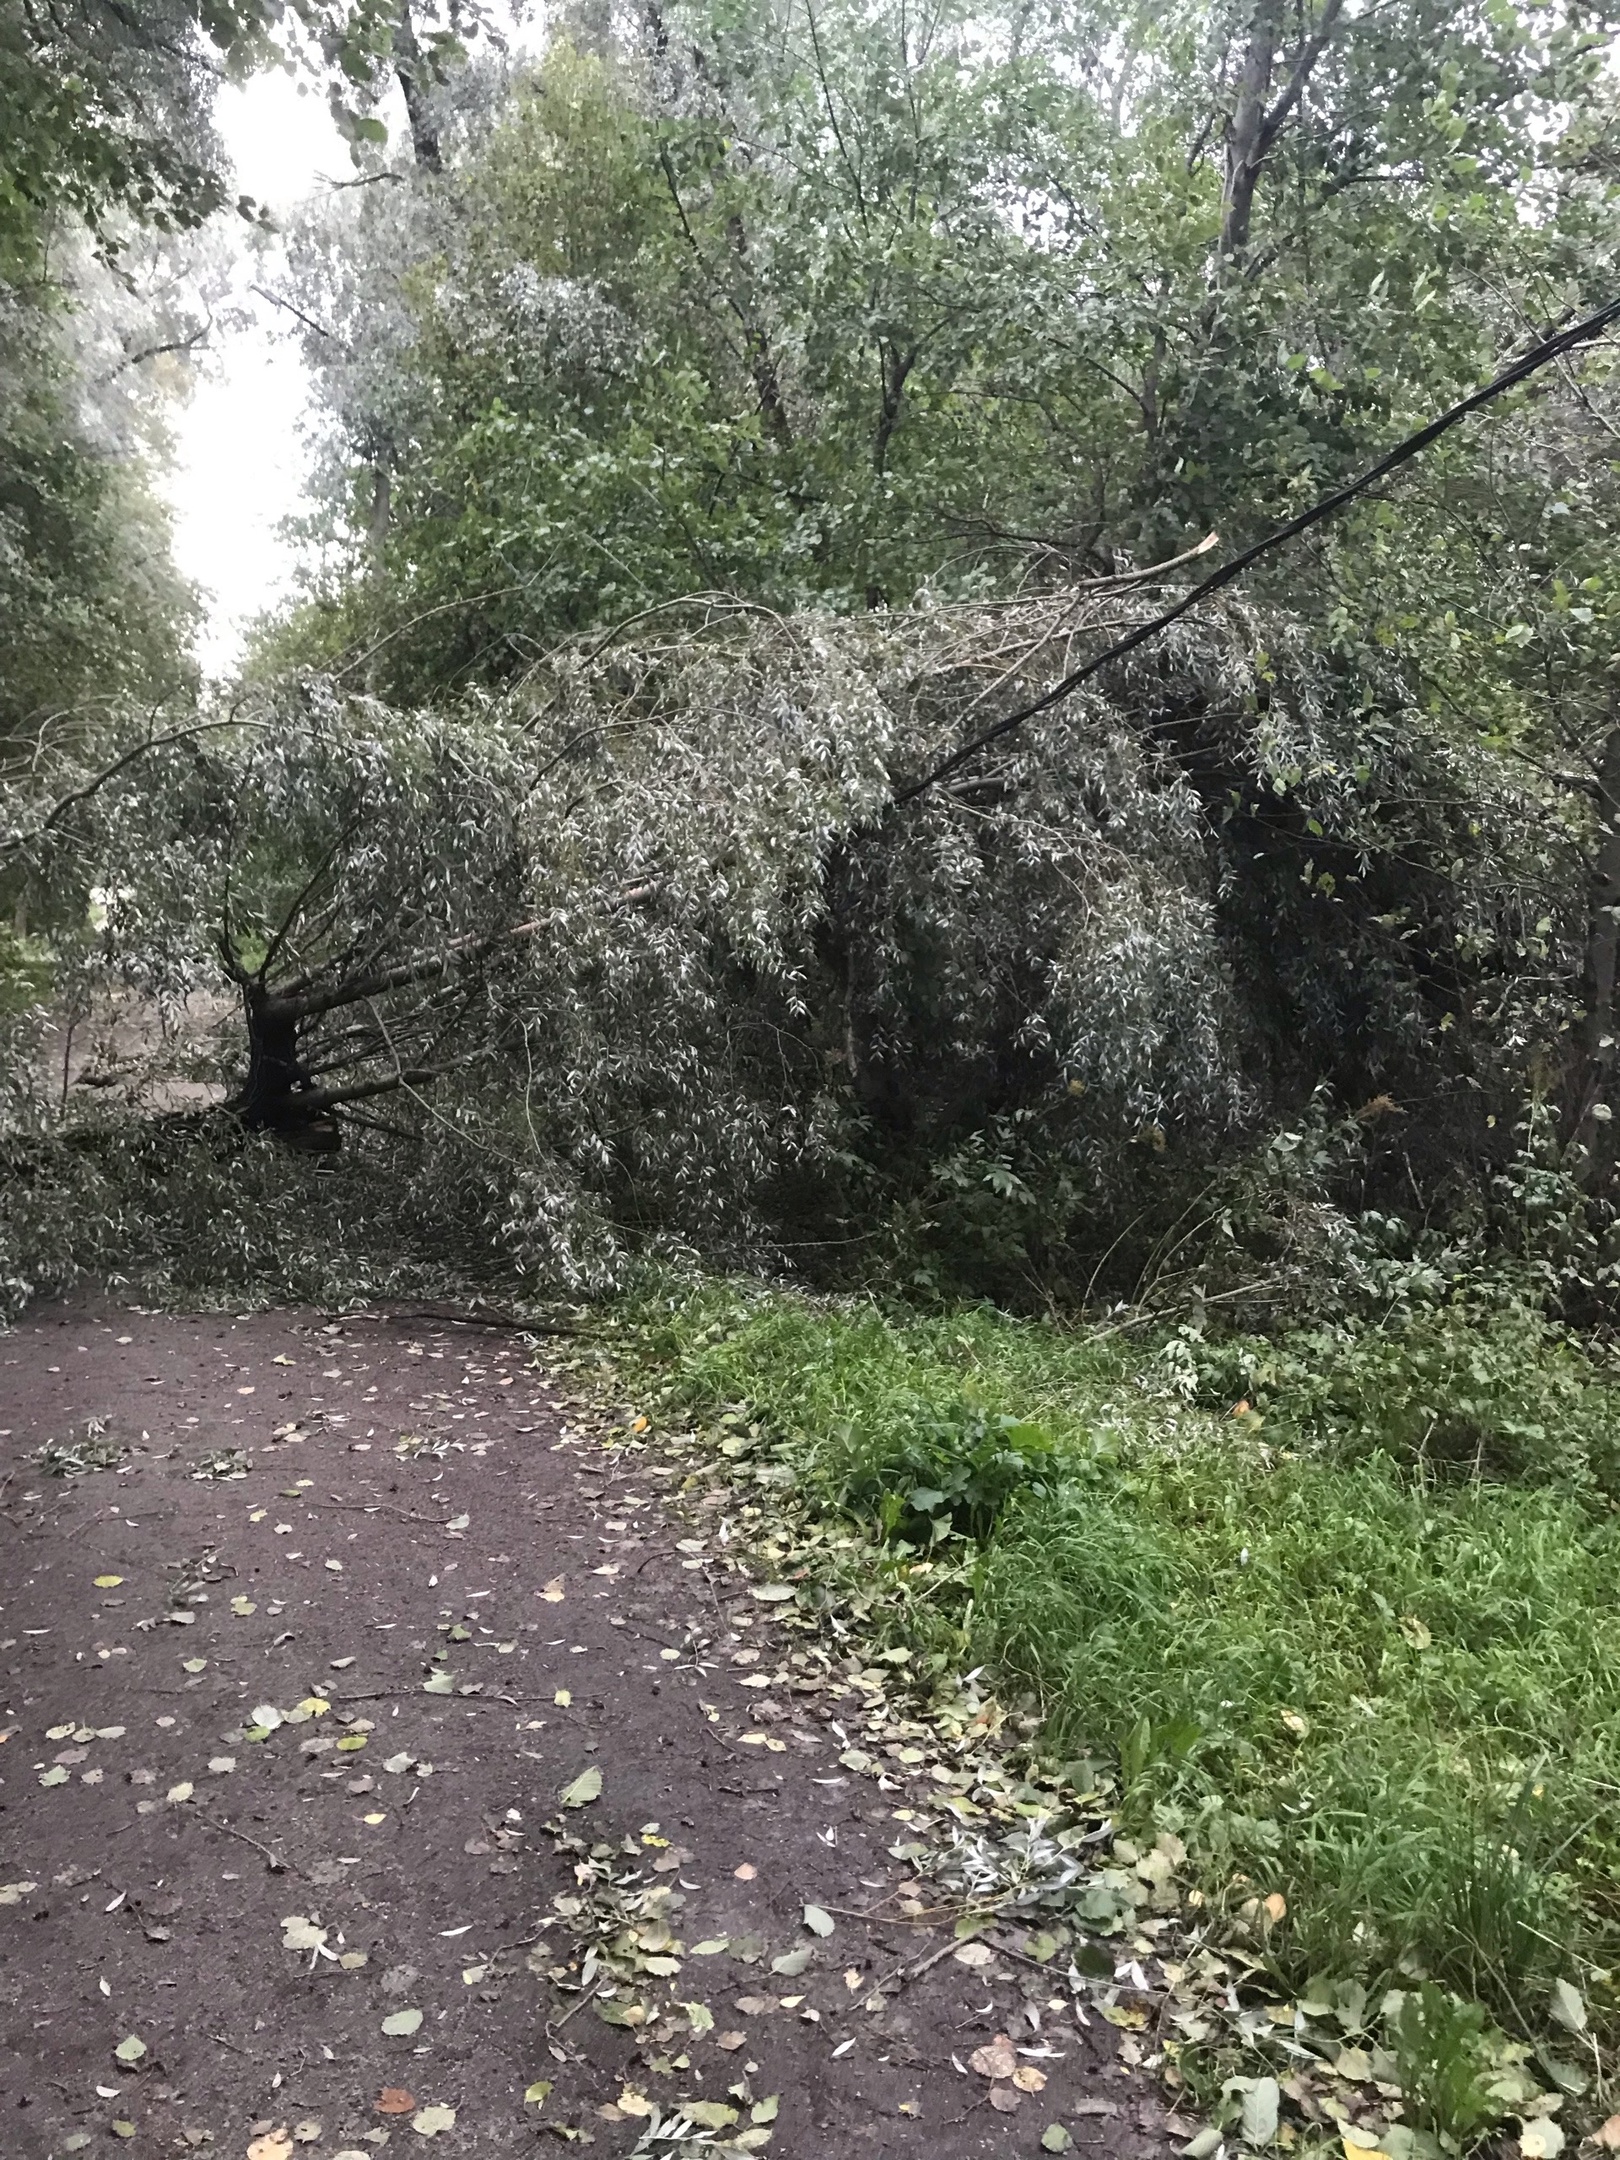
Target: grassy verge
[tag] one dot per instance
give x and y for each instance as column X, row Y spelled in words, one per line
column 1381, row 1689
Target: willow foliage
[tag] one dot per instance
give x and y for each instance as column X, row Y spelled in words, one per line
column 646, row 948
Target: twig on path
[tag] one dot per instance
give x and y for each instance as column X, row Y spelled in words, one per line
column 380, row 1507
column 273, row 1861
column 232, row 2045
column 904, row 1974
column 578, row 2007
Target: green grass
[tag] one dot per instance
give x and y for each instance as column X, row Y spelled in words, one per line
column 1391, row 1696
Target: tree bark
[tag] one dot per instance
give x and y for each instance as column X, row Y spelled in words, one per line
column 416, row 81
column 1252, row 132
column 1596, row 1065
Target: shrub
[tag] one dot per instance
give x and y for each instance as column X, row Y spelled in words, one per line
column 1450, row 1391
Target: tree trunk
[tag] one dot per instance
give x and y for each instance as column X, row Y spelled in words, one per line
column 279, row 1095
column 416, row 81
column 1246, row 138
column 1252, row 132
column 1596, row 1065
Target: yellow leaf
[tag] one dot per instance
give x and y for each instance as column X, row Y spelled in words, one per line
column 553, row 1592
column 108, row 1582
column 1353, row 2151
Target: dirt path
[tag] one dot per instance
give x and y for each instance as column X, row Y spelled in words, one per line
column 247, row 1893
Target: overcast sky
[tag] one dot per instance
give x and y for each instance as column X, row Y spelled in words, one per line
column 239, row 466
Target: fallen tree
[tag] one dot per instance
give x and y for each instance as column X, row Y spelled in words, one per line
column 646, row 947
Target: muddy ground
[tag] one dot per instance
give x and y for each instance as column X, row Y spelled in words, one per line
column 235, row 1908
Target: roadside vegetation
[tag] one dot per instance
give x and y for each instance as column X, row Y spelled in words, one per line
column 1373, row 1684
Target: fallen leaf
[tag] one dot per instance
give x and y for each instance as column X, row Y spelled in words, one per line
column 709, row 2114
column 746, row 1872
column 1541, row 2140
column 539, row 2092
column 242, row 1606
column 1056, row 2139
column 585, row 1788
column 268, row 1716
column 792, row 1963
column 553, row 1592
column 131, row 2050
column 1260, row 2108
column 429, row 2121
column 439, row 1683
column 1028, row 2079
column 297, row 1933
column 1609, row 2136
column 276, row 2146
column 714, row 1946
column 562, row 1698
column 400, row 2023
column 1568, row 2007
column 628, row 2015
column 108, row 1582
column 177, row 1794
column 766, row 2110
column 1005, row 2099
column 58, row 1776
column 307, row 2132
column 776, row 1593
column 13, row 1893
column 395, row 2100
column 998, row 2059
column 974, row 1954
column 1353, row 2151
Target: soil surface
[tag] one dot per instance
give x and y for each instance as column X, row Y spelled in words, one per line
column 156, row 1839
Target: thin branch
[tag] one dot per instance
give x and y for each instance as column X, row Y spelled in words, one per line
column 77, row 795
column 308, row 321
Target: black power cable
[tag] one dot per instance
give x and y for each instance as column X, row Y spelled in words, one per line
column 1538, row 357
